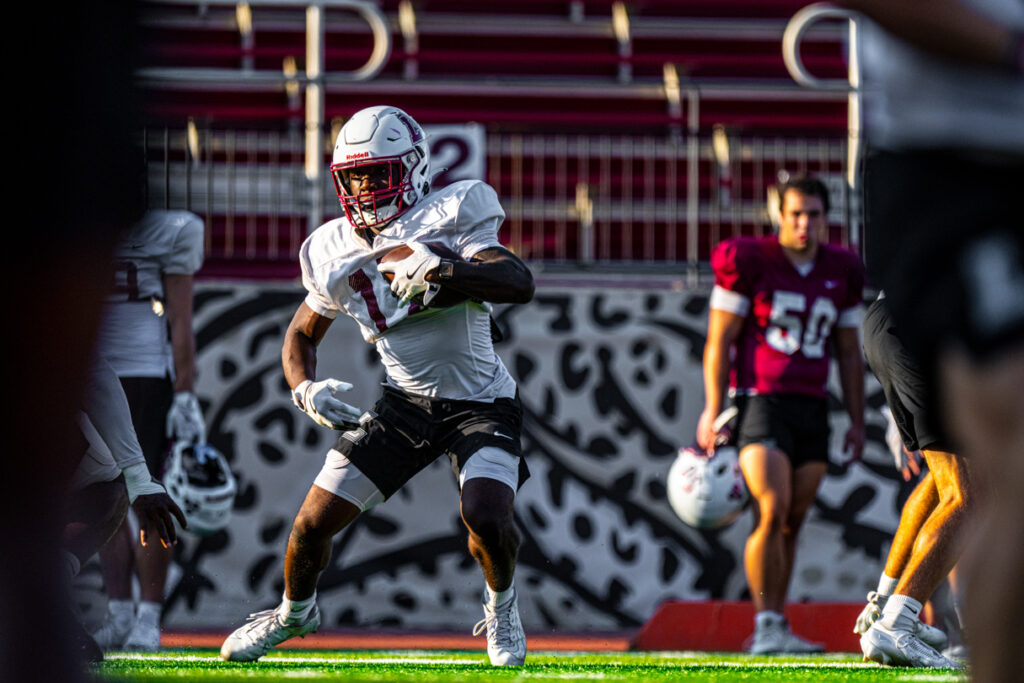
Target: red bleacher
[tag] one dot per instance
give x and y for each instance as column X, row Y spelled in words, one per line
column 531, row 66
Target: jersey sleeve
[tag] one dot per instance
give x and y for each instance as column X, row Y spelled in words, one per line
column 478, row 219
column 732, row 291
column 316, row 297
column 186, row 253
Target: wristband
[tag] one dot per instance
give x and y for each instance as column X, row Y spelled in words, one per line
column 140, row 482
column 299, row 394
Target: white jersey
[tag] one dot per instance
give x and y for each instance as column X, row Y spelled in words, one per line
column 443, row 352
column 134, row 337
column 913, row 99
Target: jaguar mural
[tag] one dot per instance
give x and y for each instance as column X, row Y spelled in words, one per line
column 610, row 379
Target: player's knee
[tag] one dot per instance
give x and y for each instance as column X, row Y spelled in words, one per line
column 309, row 528
column 489, row 522
column 774, row 514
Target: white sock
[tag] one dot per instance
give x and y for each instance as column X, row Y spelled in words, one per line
column 500, row 597
column 900, row 612
column 886, row 585
column 121, row 610
column 767, row 617
column 296, row 611
column 149, row 612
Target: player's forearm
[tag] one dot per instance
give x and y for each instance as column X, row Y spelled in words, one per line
column 947, row 28
column 851, row 378
column 183, row 349
column 716, row 375
column 500, row 281
column 298, row 358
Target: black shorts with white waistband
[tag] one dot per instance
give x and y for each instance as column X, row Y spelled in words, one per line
column 410, row 432
column 795, row 424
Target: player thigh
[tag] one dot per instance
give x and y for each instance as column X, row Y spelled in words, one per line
column 97, row 464
column 149, row 399
column 483, row 440
column 763, row 441
column 907, row 392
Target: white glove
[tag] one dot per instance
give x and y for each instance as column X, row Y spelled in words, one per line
column 410, row 273
column 319, row 401
column 140, row 482
column 871, row 613
column 185, row 418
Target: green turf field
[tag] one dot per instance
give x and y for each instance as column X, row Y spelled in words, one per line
column 469, row 667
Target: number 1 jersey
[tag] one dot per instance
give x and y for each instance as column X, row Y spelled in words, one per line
column 790, row 312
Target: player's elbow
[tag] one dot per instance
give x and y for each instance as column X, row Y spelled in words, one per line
column 523, row 291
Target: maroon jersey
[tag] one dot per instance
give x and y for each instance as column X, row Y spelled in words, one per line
column 783, row 346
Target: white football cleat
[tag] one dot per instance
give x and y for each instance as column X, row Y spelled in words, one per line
column 774, row 637
column 144, row 637
column 872, row 612
column 262, row 632
column 113, row 631
column 795, row 645
column 506, row 642
column 901, row 648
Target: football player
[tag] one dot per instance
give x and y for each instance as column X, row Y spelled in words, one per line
column 447, row 391
column 778, row 305
column 930, row 534
column 147, row 337
column 944, row 100
column 110, row 476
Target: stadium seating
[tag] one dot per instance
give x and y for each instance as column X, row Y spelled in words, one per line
column 528, row 67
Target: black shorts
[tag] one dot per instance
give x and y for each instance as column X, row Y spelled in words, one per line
column 410, row 432
column 149, row 399
column 944, row 238
column 908, row 392
column 795, row 424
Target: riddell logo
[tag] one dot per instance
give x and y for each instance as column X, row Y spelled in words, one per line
column 361, row 155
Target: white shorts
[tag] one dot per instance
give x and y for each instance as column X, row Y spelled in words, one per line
column 340, row 477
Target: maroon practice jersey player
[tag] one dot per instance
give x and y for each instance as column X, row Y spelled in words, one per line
column 789, row 314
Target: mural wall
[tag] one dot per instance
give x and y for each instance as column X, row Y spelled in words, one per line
column 611, row 384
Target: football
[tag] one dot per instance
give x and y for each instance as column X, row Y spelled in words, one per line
column 446, row 297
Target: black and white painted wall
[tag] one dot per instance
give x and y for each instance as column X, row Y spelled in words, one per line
column 610, row 378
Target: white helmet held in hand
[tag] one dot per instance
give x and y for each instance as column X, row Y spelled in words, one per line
column 200, row 481
column 707, row 491
column 390, row 140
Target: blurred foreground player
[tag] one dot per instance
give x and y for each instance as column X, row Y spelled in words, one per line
column 944, row 101
column 111, row 475
column 447, row 391
column 778, row 305
column 930, row 535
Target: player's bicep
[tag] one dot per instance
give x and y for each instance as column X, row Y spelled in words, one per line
column 724, row 326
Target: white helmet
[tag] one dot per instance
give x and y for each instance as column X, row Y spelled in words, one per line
column 199, row 480
column 707, row 491
column 388, row 136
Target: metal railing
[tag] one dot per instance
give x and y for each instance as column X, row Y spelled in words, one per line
column 570, row 200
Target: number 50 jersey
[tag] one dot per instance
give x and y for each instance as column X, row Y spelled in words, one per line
column 790, row 314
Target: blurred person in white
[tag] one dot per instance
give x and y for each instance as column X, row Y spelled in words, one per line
column 944, row 126
column 147, row 337
column 110, row 476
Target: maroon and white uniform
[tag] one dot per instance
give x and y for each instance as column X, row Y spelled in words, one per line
column 790, row 312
